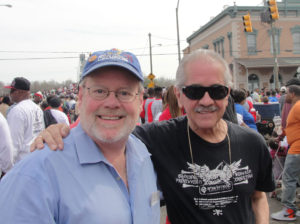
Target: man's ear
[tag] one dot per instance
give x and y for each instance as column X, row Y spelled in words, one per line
column 228, row 94
column 80, row 95
column 292, row 95
column 141, row 100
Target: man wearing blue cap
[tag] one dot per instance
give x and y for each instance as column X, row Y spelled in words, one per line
column 104, row 174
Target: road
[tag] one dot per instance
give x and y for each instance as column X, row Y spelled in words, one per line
column 274, row 207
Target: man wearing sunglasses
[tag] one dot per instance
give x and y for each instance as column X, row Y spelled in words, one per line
column 209, row 170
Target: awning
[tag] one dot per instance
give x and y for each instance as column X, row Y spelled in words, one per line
column 269, row 62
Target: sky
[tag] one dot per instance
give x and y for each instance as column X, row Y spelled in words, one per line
column 42, row 39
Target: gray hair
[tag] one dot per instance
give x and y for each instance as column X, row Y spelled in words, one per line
column 294, row 89
column 202, row 54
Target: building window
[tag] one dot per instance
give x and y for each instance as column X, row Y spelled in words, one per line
column 222, row 47
column 219, row 46
column 296, row 39
column 229, row 35
column 253, row 82
column 206, row 46
column 251, row 42
column 272, row 81
column 277, row 39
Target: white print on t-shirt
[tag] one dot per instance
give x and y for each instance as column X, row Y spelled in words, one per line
column 38, row 124
column 216, row 181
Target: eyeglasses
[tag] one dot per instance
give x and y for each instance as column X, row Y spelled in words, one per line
column 100, row 93
column 196, row 92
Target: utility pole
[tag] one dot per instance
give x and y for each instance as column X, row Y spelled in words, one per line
column 178, row 40
column 275, row 71
column 150, row 47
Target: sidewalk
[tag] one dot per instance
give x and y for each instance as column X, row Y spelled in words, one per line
column 275, row 206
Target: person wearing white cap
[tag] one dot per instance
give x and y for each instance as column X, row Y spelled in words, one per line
column 282, row 97
column 38, row 97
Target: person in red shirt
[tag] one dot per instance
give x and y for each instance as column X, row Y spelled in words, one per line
column 171, row 109
column 156, row 106
column 150, row 98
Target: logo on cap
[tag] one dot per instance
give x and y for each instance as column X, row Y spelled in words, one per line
column 113, row 57
column 92, row 58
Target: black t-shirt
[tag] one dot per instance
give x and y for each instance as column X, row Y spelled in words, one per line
column 211, row 190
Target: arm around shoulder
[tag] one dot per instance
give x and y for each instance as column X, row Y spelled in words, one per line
column 53, row 136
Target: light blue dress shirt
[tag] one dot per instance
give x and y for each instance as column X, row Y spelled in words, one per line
column 78, row 185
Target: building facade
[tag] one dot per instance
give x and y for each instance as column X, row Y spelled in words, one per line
column 250, row 55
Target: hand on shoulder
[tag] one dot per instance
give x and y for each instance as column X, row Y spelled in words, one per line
column 53, row 136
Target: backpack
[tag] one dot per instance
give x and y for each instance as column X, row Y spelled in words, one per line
column 48, row 118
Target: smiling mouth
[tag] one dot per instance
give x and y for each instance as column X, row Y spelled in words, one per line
column 110, row 118
column 204, row 112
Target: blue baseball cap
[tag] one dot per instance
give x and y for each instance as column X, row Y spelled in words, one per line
column 113, row 57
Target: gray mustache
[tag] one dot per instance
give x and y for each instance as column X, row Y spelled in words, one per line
column 205, row 109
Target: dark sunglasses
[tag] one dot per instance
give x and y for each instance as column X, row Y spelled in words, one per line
column 196, row 92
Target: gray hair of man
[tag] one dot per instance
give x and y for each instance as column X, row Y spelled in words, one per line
column 204, row 55
column 294, row 89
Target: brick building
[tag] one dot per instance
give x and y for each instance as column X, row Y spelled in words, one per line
column 250, row 55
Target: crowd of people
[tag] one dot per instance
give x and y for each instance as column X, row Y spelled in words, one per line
column 195, row 145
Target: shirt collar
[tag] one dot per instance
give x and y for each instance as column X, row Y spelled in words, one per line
column 86, row 148
column 88, row 152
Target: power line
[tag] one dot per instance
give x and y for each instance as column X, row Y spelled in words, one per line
column 140, row 55
column 50, row 58
column 47, row 52
column 15, row 59
column 77, row 52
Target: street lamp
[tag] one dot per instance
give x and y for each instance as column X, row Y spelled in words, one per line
column 7, row 5
column 178, row 40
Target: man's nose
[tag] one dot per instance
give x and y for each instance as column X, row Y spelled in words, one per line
column 206, row 99
column 112, row 100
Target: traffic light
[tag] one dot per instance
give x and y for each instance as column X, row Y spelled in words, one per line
column 273, row 9
column 247, row 23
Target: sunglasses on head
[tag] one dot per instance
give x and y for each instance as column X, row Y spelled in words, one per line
column 196, row 92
